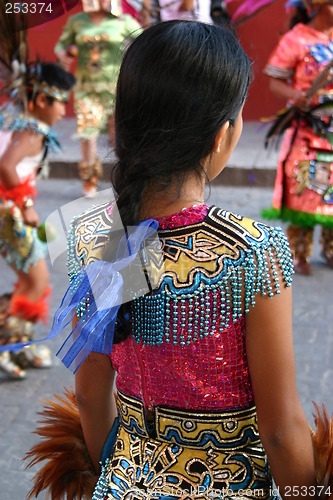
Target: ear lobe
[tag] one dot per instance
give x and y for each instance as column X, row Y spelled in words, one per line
column 219, row 137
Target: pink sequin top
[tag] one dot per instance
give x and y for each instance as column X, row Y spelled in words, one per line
column 209, row 374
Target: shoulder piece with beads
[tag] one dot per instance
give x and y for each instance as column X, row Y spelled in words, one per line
column 213, row 271
column 12, row 120
column 87, row 237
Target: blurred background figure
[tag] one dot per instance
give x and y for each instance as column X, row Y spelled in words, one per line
column 219, row 13
column 243, row 11
column 96, row 38
column 301, row 72
column 37, row 95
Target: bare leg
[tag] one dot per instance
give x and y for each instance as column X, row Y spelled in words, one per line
column 90, row 168
column 28, row 305
column 111, row 130
column 34, row 283
column 301, row 245
column 89, row 150
column 326, row 241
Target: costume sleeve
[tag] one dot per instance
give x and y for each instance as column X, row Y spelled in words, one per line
column 284, row 58
column 269, row 266
column 67, row 37
column 263, row 268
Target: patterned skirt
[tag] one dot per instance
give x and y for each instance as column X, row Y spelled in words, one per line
column 175, row 454
column 93, row 108
column 21, row 249
column 303, row 191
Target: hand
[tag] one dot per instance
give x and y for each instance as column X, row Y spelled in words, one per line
column 301, row 101
column 30, row 217
column 65, row 60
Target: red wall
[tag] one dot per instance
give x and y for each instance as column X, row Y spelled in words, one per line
column 258, row 37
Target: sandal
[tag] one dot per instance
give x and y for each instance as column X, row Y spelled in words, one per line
column 33, row 356
column 10, row 368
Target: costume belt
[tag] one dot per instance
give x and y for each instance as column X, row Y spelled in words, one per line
column 225, row 430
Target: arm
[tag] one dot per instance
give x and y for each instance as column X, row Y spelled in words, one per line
column 67, row 38
column 22, row 145
column 281, row 88
column 94, row 394
column 283, row 428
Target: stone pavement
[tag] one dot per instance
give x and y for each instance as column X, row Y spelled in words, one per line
column 313, row 336
column 250, row 163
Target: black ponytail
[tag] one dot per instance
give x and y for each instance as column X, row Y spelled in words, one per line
column 179, row 82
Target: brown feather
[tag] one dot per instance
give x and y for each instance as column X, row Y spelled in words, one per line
column 322, row 441
column 68, row 472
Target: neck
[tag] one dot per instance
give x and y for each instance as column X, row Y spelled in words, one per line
column 322, row 22
column 97, row 16
column 36, row 116
column 160, row 204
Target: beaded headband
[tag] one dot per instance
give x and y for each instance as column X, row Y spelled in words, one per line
column 53, row 92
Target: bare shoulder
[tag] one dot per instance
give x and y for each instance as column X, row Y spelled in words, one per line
column 28, row 141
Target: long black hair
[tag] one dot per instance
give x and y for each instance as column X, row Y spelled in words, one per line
column 179, row 82
column 300, row 15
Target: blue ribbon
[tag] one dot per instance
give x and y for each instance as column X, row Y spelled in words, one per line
column 100, row 283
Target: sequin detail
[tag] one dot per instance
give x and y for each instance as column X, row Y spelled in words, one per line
column 209, row 374
column 185, row 217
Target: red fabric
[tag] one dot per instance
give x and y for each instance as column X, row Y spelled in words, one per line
column 18, row 193
column 34, row 311
column 128, row 9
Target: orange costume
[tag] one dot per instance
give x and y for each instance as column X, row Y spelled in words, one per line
column 303, row 192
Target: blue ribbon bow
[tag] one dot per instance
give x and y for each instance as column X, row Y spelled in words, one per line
column 100, row 284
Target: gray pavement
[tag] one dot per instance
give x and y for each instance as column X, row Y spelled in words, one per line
column 313, row 336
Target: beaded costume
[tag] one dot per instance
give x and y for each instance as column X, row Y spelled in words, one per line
column 303, row 192
column 19, row 244
column 99, row 57
column 187, row 420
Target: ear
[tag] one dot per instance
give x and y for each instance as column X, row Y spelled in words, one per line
column 219, row 137
column 41, row 101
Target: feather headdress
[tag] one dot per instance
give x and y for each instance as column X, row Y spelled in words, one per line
column 15, row 70
column 19, row 75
